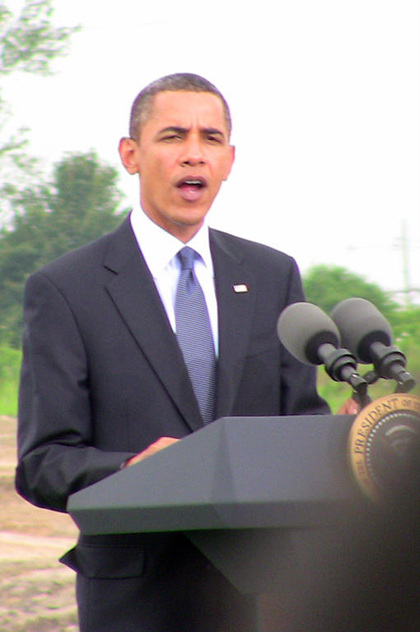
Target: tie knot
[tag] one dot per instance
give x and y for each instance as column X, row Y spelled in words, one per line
column 187, row 256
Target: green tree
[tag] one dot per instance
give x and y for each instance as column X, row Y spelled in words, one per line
column 81, row 203
column 406, row 329
column 28, row 43
column 327, row 285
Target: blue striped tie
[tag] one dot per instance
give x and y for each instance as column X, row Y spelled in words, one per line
column 194, row 334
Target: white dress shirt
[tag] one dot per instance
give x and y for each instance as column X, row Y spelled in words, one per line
column 160, row 248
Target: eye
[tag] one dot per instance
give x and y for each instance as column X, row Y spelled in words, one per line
column 171, row 137
column 214, row 138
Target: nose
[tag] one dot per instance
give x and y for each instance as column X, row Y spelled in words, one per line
column 193, row 153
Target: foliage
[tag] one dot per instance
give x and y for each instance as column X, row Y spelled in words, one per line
column 326, row 286
column 406, row 324
column 10, row 360
column 81, row 203
column 28, row 43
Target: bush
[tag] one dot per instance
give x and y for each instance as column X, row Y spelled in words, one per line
column 10, row 360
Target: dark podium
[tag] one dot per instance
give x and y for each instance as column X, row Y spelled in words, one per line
column 253, row 494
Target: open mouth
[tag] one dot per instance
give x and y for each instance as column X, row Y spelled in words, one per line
column 195, row 183
column 191, row 188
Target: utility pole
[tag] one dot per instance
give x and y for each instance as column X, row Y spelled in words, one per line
column 406, row 275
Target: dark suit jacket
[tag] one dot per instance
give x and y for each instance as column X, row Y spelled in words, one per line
column 103, row 376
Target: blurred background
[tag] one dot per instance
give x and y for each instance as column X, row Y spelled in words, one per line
column 325, row 100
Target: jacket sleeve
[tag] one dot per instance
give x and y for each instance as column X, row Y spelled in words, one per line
column 56, row 455
column 299, row 394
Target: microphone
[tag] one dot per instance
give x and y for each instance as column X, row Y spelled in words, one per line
column 368, row 335
column 313, row 338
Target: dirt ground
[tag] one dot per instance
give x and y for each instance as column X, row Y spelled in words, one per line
column 36, row 591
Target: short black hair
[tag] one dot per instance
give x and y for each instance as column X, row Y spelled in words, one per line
column 182, row 81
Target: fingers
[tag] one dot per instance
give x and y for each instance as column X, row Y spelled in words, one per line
column 155, row 447
column 350, row 407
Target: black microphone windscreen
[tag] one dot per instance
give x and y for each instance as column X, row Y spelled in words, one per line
column 303, row 328
column 361, row 324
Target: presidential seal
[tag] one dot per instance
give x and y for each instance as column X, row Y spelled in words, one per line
column 383, row 440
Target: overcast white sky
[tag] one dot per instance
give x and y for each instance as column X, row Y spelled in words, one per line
column 325, row 98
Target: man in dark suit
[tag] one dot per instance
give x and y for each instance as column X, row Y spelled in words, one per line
column 104, row 382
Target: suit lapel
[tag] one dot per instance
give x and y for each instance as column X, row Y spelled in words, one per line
column 134, row 293
column 234, row 289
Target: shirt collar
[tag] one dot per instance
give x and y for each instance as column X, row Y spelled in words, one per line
column 160, row 247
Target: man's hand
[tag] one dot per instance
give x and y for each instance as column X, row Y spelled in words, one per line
column 158, row 445
column 350, row 407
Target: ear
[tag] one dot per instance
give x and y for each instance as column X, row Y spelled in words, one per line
column 128, row 154
column 230, row 160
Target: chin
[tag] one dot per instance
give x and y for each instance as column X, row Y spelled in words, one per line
column 191, row 217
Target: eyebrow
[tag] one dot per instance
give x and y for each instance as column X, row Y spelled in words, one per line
column 185, row 130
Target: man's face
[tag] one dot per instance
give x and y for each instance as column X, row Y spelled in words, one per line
column 182, row 156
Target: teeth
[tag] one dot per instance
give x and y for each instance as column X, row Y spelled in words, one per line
column 194, row 182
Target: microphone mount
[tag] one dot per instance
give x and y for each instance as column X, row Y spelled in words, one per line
column 341, row 366
column 390, row 363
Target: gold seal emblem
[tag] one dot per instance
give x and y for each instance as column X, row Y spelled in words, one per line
column 381, row 439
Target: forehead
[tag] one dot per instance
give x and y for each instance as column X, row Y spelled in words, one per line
column 187, row 109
